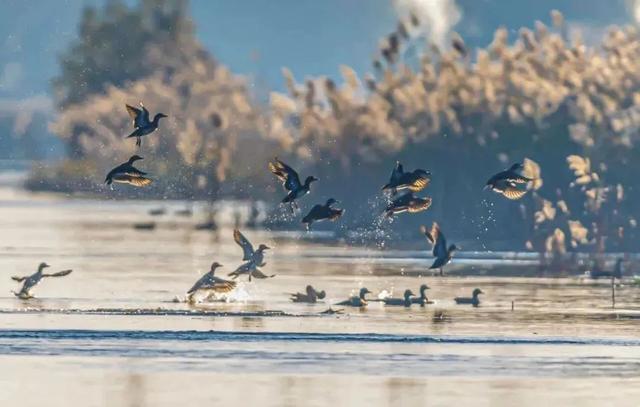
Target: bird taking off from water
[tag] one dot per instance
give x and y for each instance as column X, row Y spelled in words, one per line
column 510, row 182
column 407, row 203
column 322, row 212
column 252, row 258
column 34, row 279
column 210, row 284
column 357, row 301
column 414, row 181
column 143, row 126
column 474, row 300
column 311, row 296
column 291, row 182
column 441, row 252
column 126, row 173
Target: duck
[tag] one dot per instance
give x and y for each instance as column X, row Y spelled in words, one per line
column 322, row 212
column 252, row 258
column 407, row 203
column 422, row 299
column 405, row 301
column 311, row 296
column 615, row 273
column 31, row 281
column 210, row 283
column 126, row 173
column 474, row 300
column 143, row 126
column 414, row 181
column 441, row 252
column 507, row 182
column 291, row 182
column 357, row 301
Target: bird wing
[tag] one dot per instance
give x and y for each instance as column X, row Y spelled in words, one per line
column 58, row 274
column 136, row 115
column 419, row 205
column 396, row 173
column 257, row 273
column 316, row 213
column 137, row 181
column 145, row 114
column 19, row 279
column 211, row 282
column 243, row 242
column 418, row 184
column 440, row 246
column 288, row 176
column 513, row 193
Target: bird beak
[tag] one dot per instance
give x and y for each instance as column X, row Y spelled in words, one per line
column 46, row 265
column 486, row 187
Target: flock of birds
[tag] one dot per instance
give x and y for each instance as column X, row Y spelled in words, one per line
column 402, row 188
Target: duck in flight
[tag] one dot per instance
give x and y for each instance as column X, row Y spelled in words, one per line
column 407, row 203
column 210, row 284
column 474, row 300
column 414, row 181
column 441, row 252
column 252, row 258
column 31, row 281
column 126, row 173
column 509, row 182
column 143, row 126
column 357, row 301
column 322, row 212
column 291, row 182
column 311, row 296
column 406, row 300
column 422, row 299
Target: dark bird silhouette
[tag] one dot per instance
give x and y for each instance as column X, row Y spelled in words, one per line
column 143, row 126
column 253, row 258
column 311, row 296
column 405, row 301
column 474, row 300
column 211, row 284
column 422, row 299
column 31, row 281
column 596, row 273
column 357, row 301
column 407, row 203
column 291, row 182
column 441, row 252
column 414, row 181
column 126, row 173
column 322, row 212
column 507, row 182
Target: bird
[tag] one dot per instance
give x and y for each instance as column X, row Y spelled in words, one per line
column 357, row 301
column 506, row 182
column 291, row 182
column 252, row 258
column 34, row 279
column 615, row 273
column 141, row 122
column 405, row 301
column 474, row 300
column 422, row 299
column 441, row 252
column 126, row 173
column 210, row 283
column 414, row 181
column 322, row 212
column 311, row 296
column 407, row 203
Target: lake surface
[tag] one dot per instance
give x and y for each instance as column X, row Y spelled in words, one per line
column 112, row 333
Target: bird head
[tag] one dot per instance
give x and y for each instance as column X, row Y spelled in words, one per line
column 310, row 179
column 453, row 248
column 215, row 265
column 331, row 201
column 477, row 292
column 43, row 266
column 135, row 158
column 364, row 291
column 321, row 294
column 422, row 173
column 423, row 288
column 408, row 293
column 159, row 116
column 263, row 247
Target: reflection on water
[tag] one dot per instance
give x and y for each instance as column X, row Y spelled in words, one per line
column 112, row 332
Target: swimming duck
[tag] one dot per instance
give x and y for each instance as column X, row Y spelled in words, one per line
column 407, row 203
column 291, row 182
column 322, row 212
column 34, row 279
column 141, row 122
column 126, row 173
column 253, row 258
column 474, row 300
column 357, row 301
column 414, row 181
column 422, row 299
column 210, row 283
column 311, row 296
column 441, row 252
column 405, row 301
column 506, row 182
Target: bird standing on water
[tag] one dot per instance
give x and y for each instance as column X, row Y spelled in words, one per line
column 474, row 300
column 311, row 296
column 34, row 279
column 126, row 173
column 407, row 203
column 322, row 212
column 253, row 258
column 441, row 252
column 291, row 182
column 405, row 301
column 357, row 301
column 414, row 181
column 507, row 182
column 211, row 284
column 143, row 126
column 422, row 299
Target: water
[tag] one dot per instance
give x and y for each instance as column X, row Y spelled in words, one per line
column 110, row 334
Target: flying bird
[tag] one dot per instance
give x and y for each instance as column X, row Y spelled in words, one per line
column 252, row 258
column 441, row 252
column 507, row 182
column 414, row 181
column 311, row 296
column 474, row 300
column 143, row 126
column 405, row 301
column 291, row 182
column 357, row 301
column 31, row 281
column 210, row 283
column 322, row 212
column 126, row 173
column 407, row 203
